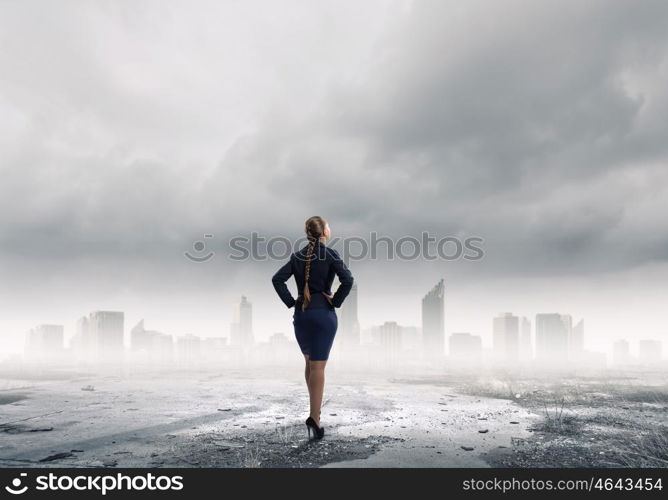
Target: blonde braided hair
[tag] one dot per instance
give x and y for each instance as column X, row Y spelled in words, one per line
column 314, row 227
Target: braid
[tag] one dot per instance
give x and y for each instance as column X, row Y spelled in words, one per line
column 307, row 274
column 314, row 227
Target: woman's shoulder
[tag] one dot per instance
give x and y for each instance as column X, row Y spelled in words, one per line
column 332, row 253
column 301, row 253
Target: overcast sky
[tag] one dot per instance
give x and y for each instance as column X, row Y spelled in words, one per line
column 130, row 129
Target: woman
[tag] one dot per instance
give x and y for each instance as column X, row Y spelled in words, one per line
column 314, row 319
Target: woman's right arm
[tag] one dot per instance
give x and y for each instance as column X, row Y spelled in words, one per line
column 279, row 279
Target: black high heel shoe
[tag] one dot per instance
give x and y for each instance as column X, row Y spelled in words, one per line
column 318, row 432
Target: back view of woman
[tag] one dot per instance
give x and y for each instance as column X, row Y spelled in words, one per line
column 314, row 318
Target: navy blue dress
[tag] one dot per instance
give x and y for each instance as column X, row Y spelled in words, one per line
column 316, row 326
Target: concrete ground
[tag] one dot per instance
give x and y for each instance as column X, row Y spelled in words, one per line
column 251, row 419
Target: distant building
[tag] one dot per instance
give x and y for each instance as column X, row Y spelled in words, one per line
column 526, row 346
column 279, row 339
column 152, row 346
column 140, row 338
column 45, row 342
column 433, row 321
column 464, row 346
column 567, row 320
column 649, row 351
column 279, row 350
column 246, row 321
column 552, row 333
column 621, row 352
column 576, row 341
column 241, row 329
column 235, row 336
column 393, row 343
column 506, row 337
column 389, row 335
column 106, row 332
column 188, row 349
column 82, row 343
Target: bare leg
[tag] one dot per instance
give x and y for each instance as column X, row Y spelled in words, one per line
column 317, row 387
column 307, row 374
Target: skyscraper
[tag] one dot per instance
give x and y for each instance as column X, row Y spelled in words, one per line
column 576, row 341
column 390, row 339
column 526, row 346
column 506, row 337
column 106, row 331
column 188, row 349
column 552, row 332
column 82, row 343
column 241, row 329
column 433, row 321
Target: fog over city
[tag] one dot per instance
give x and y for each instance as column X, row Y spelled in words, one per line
column 129, row 131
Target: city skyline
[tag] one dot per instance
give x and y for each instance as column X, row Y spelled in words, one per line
column 100, row 338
